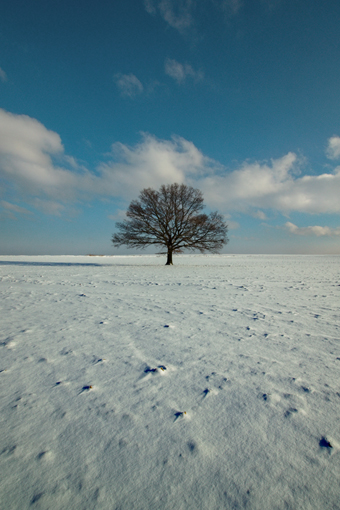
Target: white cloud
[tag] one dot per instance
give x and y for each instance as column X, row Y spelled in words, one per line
column 3, row 75
column 11, row 211
column 180, row 14
column 128, row 84
column 26, row 147
column 312, row 231
column 177, row 13
column 233, row 225
column 180, row 72
column 49, row 206
column 151, row 163
column 333, row 148
column 274, row 186
column 14, row 208
column 29, row 152
column 27, row 164
column 260, row 215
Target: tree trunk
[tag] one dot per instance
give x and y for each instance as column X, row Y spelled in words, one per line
column 169, row 259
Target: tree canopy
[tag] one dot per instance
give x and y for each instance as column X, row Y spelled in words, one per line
column 172, row 218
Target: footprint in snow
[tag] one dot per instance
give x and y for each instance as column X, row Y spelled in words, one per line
column 217, row 380
column 207, row 392
column 86, row 388
column 36, row 497
column 303, row 386
column 329, row 445
column 180, row 415
column 8, row 343
column 324, row 443
column 290, row 411
column 96, row 360
column 45, row 456
column 159, row 369
column 297, row 404
column 269, row 398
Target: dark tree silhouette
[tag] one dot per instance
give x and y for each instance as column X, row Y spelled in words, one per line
column 171, row 217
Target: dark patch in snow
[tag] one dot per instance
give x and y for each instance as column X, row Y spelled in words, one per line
column 149, row 369
column 324, row 443
column 9, row 450
column 65, row 351
column 87, row 388
column 153, row 370
column 5, row 342
column 98, row 360
column 290, row 411
column 41, row 455
column 192, row 446
column 36, row 498
column 180, row 414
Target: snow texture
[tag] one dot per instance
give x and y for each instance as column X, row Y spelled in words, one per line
column 212, row 384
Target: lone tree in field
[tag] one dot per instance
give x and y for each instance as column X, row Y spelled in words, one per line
column 171, row 217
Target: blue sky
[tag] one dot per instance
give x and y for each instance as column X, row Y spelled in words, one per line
column 239, row 98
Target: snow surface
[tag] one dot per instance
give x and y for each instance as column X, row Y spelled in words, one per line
column 212, row 384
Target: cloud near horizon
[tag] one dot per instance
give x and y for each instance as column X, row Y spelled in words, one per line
column 33, row 162
column 316, row 230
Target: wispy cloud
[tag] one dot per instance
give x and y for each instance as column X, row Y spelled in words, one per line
column 10, row 210
column 180, row 72
column 333, row 148
column 50, row 207
column 150, row 6
column 128, row 84
column 230, row 7
column 14, row 208
column 177, row 13
column 316, row 230
column 260, row 215
column 33, row 162
column 3, row 75
column 180, row 14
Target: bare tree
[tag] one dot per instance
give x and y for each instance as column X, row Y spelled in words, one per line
column 171, row 217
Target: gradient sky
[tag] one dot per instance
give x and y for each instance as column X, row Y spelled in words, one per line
column 240, row 98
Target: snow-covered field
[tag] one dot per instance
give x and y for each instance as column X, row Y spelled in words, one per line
column 212, row 384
